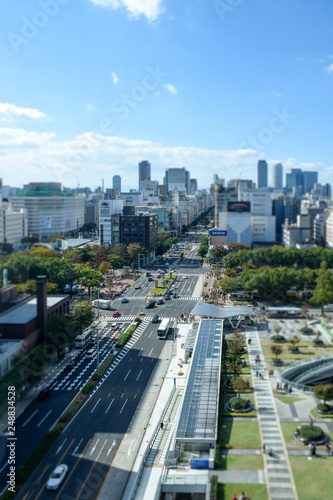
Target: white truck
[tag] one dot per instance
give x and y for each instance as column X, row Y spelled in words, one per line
column 103, row 304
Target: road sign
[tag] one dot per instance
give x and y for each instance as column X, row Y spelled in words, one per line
column 217, row 232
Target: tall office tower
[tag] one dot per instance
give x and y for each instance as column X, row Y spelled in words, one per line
column 262, row 174
column 193, row 186
column 116, row 183
column 277, row 176
column 144, row 171
column 294, row 178
column 179, row 178
column 309, row 180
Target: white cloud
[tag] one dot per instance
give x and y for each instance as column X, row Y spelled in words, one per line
column 27, row 155
column 90, row 107
column 115, row 78
column 11, row 113
column 329, row 69
column 170, row 88
column 149, row 8
column 268, row 94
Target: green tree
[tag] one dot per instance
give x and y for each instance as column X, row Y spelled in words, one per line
column 235, row 365
column 324, row 392
column 83, row 314
column 88, row 276
column 276, row 350
column 240, row 385
column 126, row 271
column 136, row 249
column 236, row 343
column 323, row 292
column 116, row 261
column 109, row 283
column 228, row 285
column 218, row 251
column 231, row 273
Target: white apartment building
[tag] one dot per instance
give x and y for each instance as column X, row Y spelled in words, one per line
column 329, row 231
column 134, row 199
column 108, row 224
column 261, row 200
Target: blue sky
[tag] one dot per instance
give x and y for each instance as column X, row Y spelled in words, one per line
column 89, row 88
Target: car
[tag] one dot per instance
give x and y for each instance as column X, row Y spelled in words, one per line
column 137, row 287
column 57, row 477
column 71, row 364
column 124, row 300
column 44, row 393
column 141, row 313
column 159, row 302
column 175, row 295
column 150, row 278
column 155, row 318
column 116, row 314
column 158, row 276
column 113, row 325
column 167, row 297
column 185, row 277
column 148, row 274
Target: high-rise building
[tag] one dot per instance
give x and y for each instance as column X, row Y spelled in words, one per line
column 262, row 174
column 177, row 178
column 116, row 183
column 309, row 180
column 278, row 176
column 144, row 171
column 294, row 178
column 193, row 186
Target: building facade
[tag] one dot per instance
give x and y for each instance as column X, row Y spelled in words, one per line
column 177, row 178
column 278, row 176
column 144, row 171
column 262, row 174
column 116, row 183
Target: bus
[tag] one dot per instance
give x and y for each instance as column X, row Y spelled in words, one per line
column 81, row 340
column 163, row 329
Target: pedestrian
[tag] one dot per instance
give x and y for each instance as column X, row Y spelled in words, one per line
column 314, row 449
column 270, row 451
column 310, row 449
column 162, row 425
column 242, row 496
column 234, row 497
column 263, row 448
column 277, row 386
column 257, row 373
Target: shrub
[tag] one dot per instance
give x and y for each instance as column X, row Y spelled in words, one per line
column 306, row 330
column 87, row 388
column 317, row 341
column 278, row 338
column 323, row 408
column 95, row 376
column 310, row 432
column 238, row 403
column 138, row 320
column 293, row 348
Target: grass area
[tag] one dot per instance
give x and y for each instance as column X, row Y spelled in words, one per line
column 305, row 353
column 289, row 399
column 304, row 472
column 239, row 434
column 225, row 413
column 301, row 344
column 320, row 415
column 242, row 462
column 158, row 291
column 254, row 491
column 126, row 336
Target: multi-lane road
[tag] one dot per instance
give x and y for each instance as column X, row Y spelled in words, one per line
column 90, row 442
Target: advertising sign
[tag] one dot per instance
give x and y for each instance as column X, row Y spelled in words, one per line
column 217, row 232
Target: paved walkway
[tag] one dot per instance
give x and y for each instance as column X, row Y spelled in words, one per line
column 280, row 482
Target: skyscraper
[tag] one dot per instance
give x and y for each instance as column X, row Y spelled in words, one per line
column 277, row 176
column 116, row 183
column 262, row 174
column 144, row 171
column 179, row 178
column 294, row 179
column 309, row 180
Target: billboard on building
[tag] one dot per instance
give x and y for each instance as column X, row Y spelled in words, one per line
column 239, row 206
column 217, row 232
column 47, row 222
column 105, row 208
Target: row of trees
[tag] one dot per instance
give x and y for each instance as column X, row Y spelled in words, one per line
column 203, row 249
column 277, row 256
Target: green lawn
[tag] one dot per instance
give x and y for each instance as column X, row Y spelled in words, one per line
column 239, row 434
column 289, row 399
column 288, row 429
column 242, row 462
column 225, row 399
column 305, row 470
column 253, row 491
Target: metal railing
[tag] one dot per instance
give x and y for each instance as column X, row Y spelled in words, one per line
column 300, row 369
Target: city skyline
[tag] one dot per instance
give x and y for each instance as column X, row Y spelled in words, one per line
column 94, row 88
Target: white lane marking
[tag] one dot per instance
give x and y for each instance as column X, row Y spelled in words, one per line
column 127, row 374
column 137, row 378
column 123, row 406
column 109, row 406
column 130, row 448
column 150, row 352
column 93, row 448
column 140, row 352
column 95, row 405
column 61, row 446
column 48, row 413
column 2, row 468
column 111, row 447
column 78, row 446
column 34, row 413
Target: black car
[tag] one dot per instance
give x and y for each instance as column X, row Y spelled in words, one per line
column 44, row 393
column 150, row 278
column 159, row 302
column 148, row 274
column 71, row 364
column 167, row 297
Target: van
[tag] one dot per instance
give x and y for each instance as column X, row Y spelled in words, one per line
column 328, row 308
column 91, row 353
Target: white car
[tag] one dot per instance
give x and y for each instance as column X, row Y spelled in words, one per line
column 114, row 325
column 185, row 277
column 57, row 477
